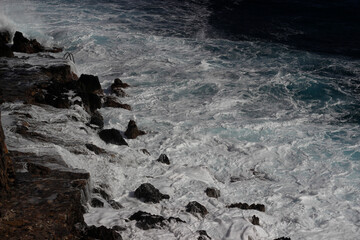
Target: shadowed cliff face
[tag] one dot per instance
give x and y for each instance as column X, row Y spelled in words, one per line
column 321, row 26
column 6, row 167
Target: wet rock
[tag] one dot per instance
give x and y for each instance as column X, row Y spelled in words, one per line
column 61, row 74
column 24, row 45
column 97, row 119
column 144, row 151
column 212, row 192
column 203, row 235
column 96, row 203
column 102, row 193
column 118, row 228
column 148, row 193
column 112, row 102
column 5, row 37
column 255, row 220
column 5, row 51
column 112, row 136
column 196, row 208
column 95, row 148
column 89, row 84
column 245, row 206
column 283, row 238
column 114, row 204
column 163, row 159
column 132, row 130
column 147, row 221
column 117, row 86
column 101, row 233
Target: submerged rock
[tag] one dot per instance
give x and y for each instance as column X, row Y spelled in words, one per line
column 212, row 192
column 112, row 102
column 147, row 221
column 163, row 159
column 112, row 136
column 148, row 193
column 196, row 208
column 132, row 130
column 245, row 206
column 95, row 148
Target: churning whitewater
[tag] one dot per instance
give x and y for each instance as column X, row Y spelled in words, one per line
column 262, row 122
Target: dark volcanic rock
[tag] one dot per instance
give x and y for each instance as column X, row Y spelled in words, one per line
column 203, row 235
column 7, row 173
column 196, row 208
column 255, row 220
column 148, row 193
column 96, row 203
column 132, row 130
column 94, row 148
column 89, row 83
column 112, row 136
column 245, row 206
column 5, row 51
column 5, row 37
column 212, row 192
column 101, row 233
column 163, row 159
column 24, row 45
column 112, row 102
column 283, row 238
column 147, row 221
column 117, row 86
column 114, row 204
column 97, row 119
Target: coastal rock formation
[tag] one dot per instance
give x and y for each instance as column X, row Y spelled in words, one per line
column 24, row 45
column 132, row 130
column 112, row 136
column 196, row 208
column 5, row 50
column 149, row 194
column 212, row 192
column 112, row 102
column 102, row 233
column 147, row 221
column 95, row 148
column 97, row 119
column 163, row 159
column 117, row 86
column 245, row 206
column 203, row 235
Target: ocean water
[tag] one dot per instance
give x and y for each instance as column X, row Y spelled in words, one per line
column 282, row 121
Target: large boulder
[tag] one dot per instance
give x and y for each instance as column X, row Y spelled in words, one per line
column 196, row 208
column 163, row 159
column 212, row 192
column 149, row 194
column 112, row 136
column 89, row 83
column 24, row 45
column 132, row 130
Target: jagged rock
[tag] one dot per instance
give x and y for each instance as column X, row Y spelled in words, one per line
column 255, row 220
column 89, row 84
column 101, row 233
column 144, row 151
column 22, row 44
column 97, row 119
column 96, row 203
column 102, row 193
column 7, row 173
column 245, row 206
column 112, row 136
column 5, row 37
column 203, row 235
column 148, row 193
column 196, row 208
column 62, row 74
column 114, row 204
column 212, row 192
column 117, row 86
column 283, row 238
column 132, row 130
column 163, row 159
column 147, row 221
column 95, row 148
column 5, row 51
column 112, row 102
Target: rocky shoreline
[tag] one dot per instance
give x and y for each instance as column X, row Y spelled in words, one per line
column 42, row 197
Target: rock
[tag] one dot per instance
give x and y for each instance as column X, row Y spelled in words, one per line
column 212, row 192
column 7, row 173
column 144, row 151
column 163, row 159
column 119, row 84
column 283, row 238
column 95, row 148
column 5, row 37
column 112, row 136
column 97, row 119
column 5, row 51
column 245, row 206
column 203, row 235
column 96, row 203
column 255, row 220
column 147, row 221
column 196, row 208
column 101, row 233
column 89, row 84
column 148, row 193
column 118, row 228
column 112, row 102
column 132, row 130
column 114, row 204
column 24, row 45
